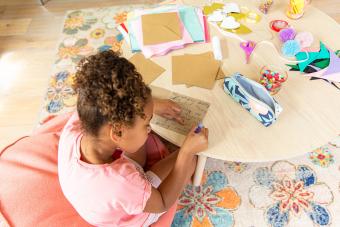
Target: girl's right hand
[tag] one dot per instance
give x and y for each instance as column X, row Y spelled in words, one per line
column 195, row 142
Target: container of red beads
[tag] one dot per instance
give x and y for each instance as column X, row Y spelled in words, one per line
column 272, row 79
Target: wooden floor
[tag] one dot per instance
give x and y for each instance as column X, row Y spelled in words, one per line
column 28, row 37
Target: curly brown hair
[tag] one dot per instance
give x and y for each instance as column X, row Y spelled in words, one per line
column 110, row 90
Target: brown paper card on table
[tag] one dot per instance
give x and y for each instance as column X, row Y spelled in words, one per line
column 161, row 28
column 195, row 69
column 224, row 47
column 220, row 74
column 147, row 68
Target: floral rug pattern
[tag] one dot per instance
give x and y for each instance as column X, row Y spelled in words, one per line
column 85, row 32
column 302, row 191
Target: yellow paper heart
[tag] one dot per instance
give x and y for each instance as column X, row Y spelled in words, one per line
column 237, row 16
column 241, row 30
column 210, row 9
column 249, row 17
column 253, row 17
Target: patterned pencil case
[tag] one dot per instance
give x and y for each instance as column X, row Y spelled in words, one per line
column 253, row 97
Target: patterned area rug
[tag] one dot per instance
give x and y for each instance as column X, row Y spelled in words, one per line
column 84, row 33
column 303, row 191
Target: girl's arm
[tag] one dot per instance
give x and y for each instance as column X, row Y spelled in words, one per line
column 163, row 167
column 166, row 194
column 168, row 109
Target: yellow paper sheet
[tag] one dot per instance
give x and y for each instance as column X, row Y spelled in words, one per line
column 208, row 9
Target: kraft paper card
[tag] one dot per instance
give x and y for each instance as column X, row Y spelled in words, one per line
column 146, row 67
column 195, row 69
column 161, row 28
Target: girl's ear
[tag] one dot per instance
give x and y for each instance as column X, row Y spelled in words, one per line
column 116, row 132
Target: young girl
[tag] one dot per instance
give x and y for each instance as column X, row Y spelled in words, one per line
column 111, row 169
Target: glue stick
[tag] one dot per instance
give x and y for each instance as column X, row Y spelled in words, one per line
column 216, row 44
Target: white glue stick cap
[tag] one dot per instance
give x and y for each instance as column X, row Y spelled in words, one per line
column 216, row 45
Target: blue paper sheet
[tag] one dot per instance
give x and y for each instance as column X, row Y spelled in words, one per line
column 191, row 22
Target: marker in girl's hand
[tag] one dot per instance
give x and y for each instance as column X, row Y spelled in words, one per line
column 199, row 128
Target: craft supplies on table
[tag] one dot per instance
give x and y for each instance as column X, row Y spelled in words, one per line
column 265, row 6
column 248, row 47
column 157, row 31
column 216, row 46
column 277, row 25
column 253, row 97
column 323, row 64
column 230, row 17
column 250, row 16
column 272, row 79
column 296, row 8
column 293, row 41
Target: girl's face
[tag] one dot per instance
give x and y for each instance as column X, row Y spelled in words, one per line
column 133, row 138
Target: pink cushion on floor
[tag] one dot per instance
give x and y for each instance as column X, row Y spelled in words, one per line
column 30, row 194
column 30, row 191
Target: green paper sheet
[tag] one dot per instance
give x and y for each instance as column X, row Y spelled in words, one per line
column 322, row 64
column 295, row 67
column 322, row 54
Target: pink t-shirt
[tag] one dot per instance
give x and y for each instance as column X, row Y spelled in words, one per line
column 112, row 194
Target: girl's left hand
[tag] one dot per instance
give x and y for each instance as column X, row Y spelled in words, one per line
column 168, row 109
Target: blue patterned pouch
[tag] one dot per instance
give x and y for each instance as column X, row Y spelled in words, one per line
column 253, row 97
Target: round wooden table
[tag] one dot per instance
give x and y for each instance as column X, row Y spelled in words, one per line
column 311, row 109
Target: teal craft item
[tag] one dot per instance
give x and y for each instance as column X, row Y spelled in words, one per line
column 294, row 67
column 191, row 22
column 133, row 39
column 337, row 53
column 322, row 54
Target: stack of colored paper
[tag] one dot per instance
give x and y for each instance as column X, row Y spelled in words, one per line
column 159, row 30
